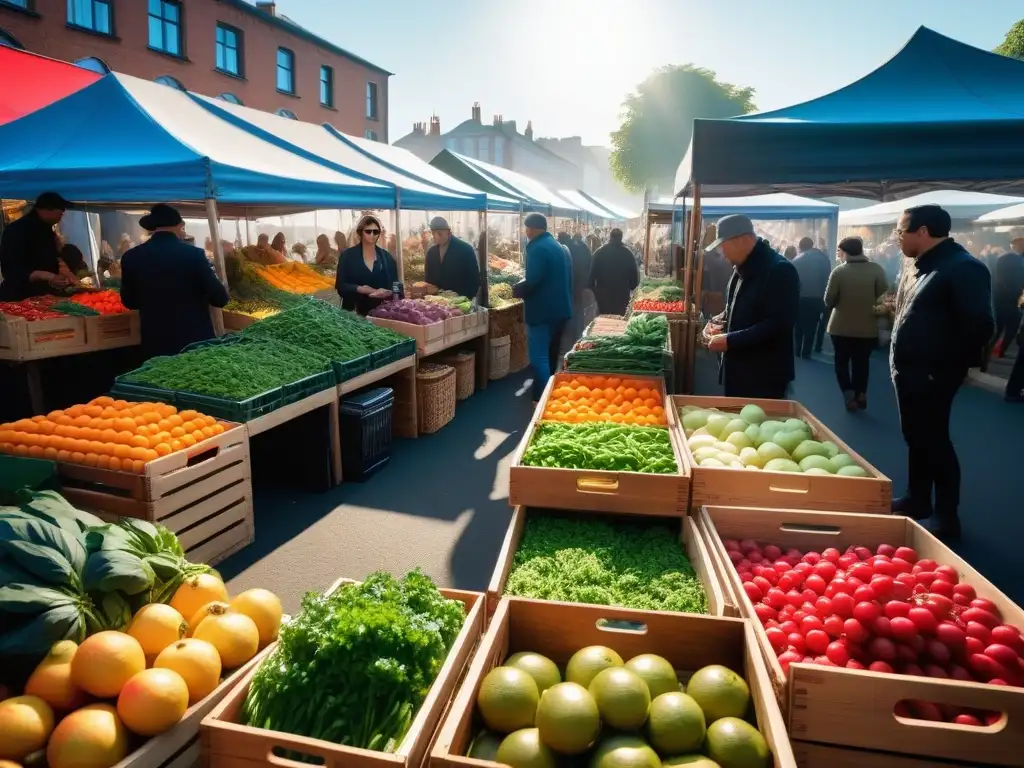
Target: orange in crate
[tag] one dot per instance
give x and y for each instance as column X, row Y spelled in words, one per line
column 615, row 399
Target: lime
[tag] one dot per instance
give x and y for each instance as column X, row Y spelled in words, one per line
column 735, row 743
column 586, row 663
column 485, row 746
column 623, row 751
column 567, row 718
column 524, row 749
column 720, row 692
column 675, row 724
column 622, row 697
column 542, row 669
column 507, row 699
column 656, row 671
column 691, row 761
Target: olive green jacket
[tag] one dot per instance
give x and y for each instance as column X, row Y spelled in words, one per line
column 852, row 292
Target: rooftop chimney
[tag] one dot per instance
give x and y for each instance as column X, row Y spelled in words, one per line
column 529, row 130
column 435, row 125
column 418, row 129
column 476, row 111
column 267, row 6
column 498, row 119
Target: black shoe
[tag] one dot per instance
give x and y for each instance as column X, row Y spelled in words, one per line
column 904, row 505
column 862, row 401
column 947, row 530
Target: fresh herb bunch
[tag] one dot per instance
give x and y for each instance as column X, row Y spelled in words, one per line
column 354, row 666
column 639, row 349
column 647, row 330
column 583, row 560
column 599, row 445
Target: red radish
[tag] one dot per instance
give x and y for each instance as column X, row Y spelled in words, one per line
column 980, row 631
column 896, row 609
column 826, row 569
column 789, row 627
column 950, row 634
column 985, row 604
column 1003, row 654
column 902, row 627
column 981, row 616
column 731, row 544
column 754, row 556
column 831, row 554
column 796, row 642
column 943, row 588
column 772, row 552
column 926, row 565
column 966, row 590
column 966, row 719
column 837, row 653
column 764, row 612
column 843, row 604
column 777, row 638
column 748, row 545
column 880, row 666
column 833, row 626
column 948, row 573
column 938, row 651
column 817, row 641
column 882, row 649
column 924, row 619
column 959, row 673
column 823, row 606
column 972, row 646
column 811, row 558
column 854, row 664
column 854, row 630
column 905, row 553
column 986, row 666
column 901, row 565
column 881, row 626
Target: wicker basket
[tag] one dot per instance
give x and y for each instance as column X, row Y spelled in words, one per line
column 435, row 396
column 500, row 357
column 464, row 364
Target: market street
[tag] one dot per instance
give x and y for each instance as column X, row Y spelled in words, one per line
column 426, row 509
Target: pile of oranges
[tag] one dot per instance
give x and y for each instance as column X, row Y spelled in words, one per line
column 576, row 399
column 108, row 433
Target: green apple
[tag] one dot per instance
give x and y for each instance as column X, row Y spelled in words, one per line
column 712, row 462
column 716, row 423
column 788, row 441
column 740, row 440
column 817, row 471
column 750, row 457
column 808, row 448
column 700, row 441
column 768, row 430
column 753, row 432
column 815, row 461
column 831, row 449
column 734, row 425
column 794, row 424
column 706, row 452
column 852, row 470
column 769, row 451
column 752, row 414
column 728, row 448
column 782, row 465
column 695, row 419
column 841, row 460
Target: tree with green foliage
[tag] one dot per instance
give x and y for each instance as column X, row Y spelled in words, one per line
column 657, row 121
column 1013, row 43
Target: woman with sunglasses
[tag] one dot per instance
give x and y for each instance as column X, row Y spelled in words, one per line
column 366, row 272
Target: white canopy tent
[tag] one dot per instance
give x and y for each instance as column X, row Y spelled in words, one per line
column 1013, row 214
column 961, row 206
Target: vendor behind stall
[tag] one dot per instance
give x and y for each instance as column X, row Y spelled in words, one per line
column 29, row 253
column 171, row 284
column 366, row 272
column 451, row 263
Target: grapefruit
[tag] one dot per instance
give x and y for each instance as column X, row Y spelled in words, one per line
column 264, row 608
column 587, row 662
column 234, row 635
column 675, row 725
column 197, row 591
column 207, row 610
column 735, row 743
column 624, row 751
column 153, row 701
column 720, row 692
column 656, row 671
column 542, row 669
column 51, row 680
column 622, row 698
column 156, row 626
column 90, row 737
column 198, row 664
column 508, row 699
column 26, row 722
column 485, row 746
column 524, row 749
column 106, row 661
column 567, row 718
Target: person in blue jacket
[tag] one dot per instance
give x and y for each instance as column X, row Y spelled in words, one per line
column 171, row 284
column 547, row 295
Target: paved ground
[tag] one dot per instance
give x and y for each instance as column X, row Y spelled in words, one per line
column 442, row 502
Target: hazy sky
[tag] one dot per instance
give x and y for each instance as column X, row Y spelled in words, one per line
column 567, row 64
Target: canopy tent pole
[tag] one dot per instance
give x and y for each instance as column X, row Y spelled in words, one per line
column 218, row 259
column 647, row 233
column 398, row 236
column 689, row 336
column 519, row 235
column 482, row 252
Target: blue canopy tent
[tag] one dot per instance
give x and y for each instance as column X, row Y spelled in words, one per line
column 459, row 168
column 526, row 187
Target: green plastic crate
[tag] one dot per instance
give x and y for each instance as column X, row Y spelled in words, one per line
column 352, row 368
column 395, row 352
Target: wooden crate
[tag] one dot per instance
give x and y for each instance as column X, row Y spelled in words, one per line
column 786, row 490
column 720, row 567
column 202, row 494
column 454, row 326
column 426, row 336
column 558, row 630
column 854, row 708
column 638, row 493
column 810, row 755
column 113, row 331
column 227, row 744
column 692, row 544
column 23, row 340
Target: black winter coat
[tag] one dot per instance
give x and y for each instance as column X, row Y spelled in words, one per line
column 613, row 277
column 459, row 271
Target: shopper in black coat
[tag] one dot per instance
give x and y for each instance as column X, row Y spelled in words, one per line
column 613, row 276
column 451, row 263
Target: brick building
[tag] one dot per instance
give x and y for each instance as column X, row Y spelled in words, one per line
column 248, row 54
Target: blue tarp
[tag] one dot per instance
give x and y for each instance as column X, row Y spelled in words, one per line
column 126, row 140
column 939, row 114
column 776, row 207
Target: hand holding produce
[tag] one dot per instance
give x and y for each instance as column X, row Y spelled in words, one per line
column 604, row 398
column 601, row 446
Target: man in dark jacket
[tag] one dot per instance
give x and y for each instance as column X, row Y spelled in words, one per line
column 451, row 263
column 171, row 284
column 939, row 333
column 581, row 259
column 814, row 268
column 613, row 276
column 29, row 251
column 546, row 292
column 1007, row 287
column 755, row 332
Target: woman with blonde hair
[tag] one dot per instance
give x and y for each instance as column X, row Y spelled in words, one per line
column 366, row 272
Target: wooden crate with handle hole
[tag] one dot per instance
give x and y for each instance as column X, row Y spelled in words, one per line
column 558, row 630
column 810, row 755
column 691, row 543
column 855, row 708
column 39, row 339
column 112, row 331
column 787, row 490
column 229, row 744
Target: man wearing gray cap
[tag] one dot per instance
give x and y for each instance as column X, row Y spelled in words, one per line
column 451, row 263
column 755, row 332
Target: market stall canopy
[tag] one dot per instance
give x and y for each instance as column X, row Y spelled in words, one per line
column 585, row 204
column 1012, row 214
column 961, row 206
column 455, row 166
column 620, row 213
column 939, row 114
column 40, row 82
column 322, row 145
column 126, row 140
column 404, row 161
column 526, row 187
column 778, row 206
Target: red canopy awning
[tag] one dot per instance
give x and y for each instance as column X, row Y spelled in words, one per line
column 38, row 83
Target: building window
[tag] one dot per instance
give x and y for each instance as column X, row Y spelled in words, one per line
column 327, row 86
column 229, row 50
column 485, row 149
column 499, row 152
column 165, row 26
column 371, row 135
column 94, row 15
column 173, row 82
column 371, row 101
column 230, row 98
column 10, row 41
column 285, row 70
column 287, row 113
column 17, row 4
column 468, row 146
column 93, row 64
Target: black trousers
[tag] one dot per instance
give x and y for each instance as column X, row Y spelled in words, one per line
column 932, row 462
column 1015, row 384
column 853, row 359
column 1007, row 321
column 807, row 322
column 819, row 338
